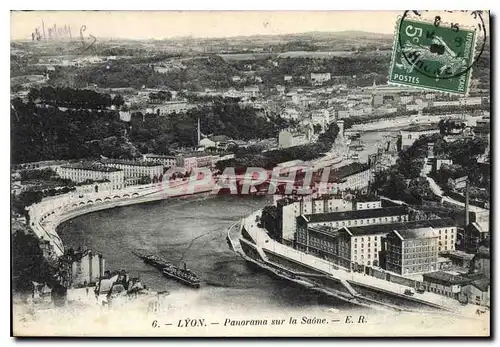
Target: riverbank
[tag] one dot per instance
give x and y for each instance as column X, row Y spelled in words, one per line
column 359, row 286
column 405, row 121
column 46, row 216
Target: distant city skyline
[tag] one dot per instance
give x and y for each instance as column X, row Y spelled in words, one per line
column 200, row 24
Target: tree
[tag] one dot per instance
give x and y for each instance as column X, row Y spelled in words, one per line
column 419, row 189
column 118, row 100
column 48, row 133
column 28, row 263
column 269, row 221
column 145, row 180
column 390, row 183
column 442, row 126
column 16, row 88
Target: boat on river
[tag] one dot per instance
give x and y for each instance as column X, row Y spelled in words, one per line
column 182, row 275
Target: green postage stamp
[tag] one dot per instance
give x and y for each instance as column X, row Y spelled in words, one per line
column 434, row 56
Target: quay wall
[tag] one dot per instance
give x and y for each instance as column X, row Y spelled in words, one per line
column 403, row 121
column 44, row 217
column 386, row 290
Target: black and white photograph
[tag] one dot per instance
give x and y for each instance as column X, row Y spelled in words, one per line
column 250, row 173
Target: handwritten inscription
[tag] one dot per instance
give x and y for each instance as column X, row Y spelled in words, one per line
column 54, row 32
column 51, row 32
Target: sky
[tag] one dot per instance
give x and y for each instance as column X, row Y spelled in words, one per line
column 209, row 24
column 166, row 24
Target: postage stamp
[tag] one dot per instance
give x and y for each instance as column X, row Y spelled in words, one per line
column 433, row 56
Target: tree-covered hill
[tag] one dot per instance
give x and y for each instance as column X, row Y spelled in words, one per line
column 44, row 132
column 89, row 129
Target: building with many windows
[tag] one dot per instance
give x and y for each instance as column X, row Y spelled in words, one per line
column 136, row 171
column 412, row 251
column 165, row 160
column 355, row 218
column 291, row 138
column 252, row 90
column 411, row 134
column 367, row 204
column 346, row 247
column 447, row 233
column 349, row 220
column 195, row 160
column 360, row 245
column 318, row 78
column 170, row 107
column 289, row 209
column 444, row 283
column 366, row 241
column 353, row 246
column 322, row 241
column 81, row 172
column 354, row 176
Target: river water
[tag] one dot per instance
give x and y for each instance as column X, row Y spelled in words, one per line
column 191, row 230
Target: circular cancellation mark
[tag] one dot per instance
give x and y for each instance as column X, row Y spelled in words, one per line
column 437, row 21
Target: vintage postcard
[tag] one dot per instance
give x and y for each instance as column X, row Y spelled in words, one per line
column 294, row 174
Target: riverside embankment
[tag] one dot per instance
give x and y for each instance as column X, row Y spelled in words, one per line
column 405, row 121
column 322, row 275
column 45, row 216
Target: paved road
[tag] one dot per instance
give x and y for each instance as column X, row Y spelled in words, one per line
column 444, row 198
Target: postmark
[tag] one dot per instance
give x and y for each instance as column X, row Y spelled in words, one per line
column 86, row 46
column 434, row 55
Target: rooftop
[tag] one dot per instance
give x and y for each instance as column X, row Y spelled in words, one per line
column 129, row 162
column 367, row 198
column 386, row 228
column 323, row 229
column 162, row 156
column 458, row 176
column 445, row 278
column 196, row 154
column 416, row 233
column 418, row 128
column 346, row 171
column 460, row 254
column 251, row 88
column 440, row 223
column 291, row 163
column 91, row 167
column 482, row 284
column 219, row 138
column 359, row 214
column 483, row 252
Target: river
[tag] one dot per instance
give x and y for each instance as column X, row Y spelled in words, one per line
column 194, row 231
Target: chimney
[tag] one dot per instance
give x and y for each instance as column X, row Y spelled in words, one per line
column 199, row 132
column 91, row 257
column 101, row 265
column 467, row 201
